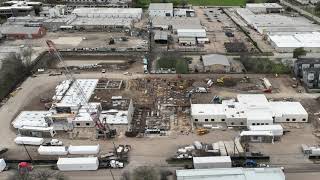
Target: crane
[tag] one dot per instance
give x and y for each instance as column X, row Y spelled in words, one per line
column 102, row 128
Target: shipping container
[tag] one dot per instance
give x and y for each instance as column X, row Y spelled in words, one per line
column 29, row 140
column 78, row 164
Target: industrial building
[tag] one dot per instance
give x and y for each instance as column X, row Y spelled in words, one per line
column 215, row 63
column 231, row 174
column 132, row 13
column 192, row 36
column 22, row 32
column 161, row 37
column 248, row 110
column 160, row 9
column 264, row 7
column 308, row 70
column 20, row 8
column 174, row 23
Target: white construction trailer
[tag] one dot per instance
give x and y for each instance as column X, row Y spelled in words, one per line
column 53, row 150
column 78, row 164
column 29, row 140
column 84, row 149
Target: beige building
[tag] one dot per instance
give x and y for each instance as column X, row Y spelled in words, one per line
column 215, row 63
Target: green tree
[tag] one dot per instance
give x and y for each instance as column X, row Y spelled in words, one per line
column 183, row 3
column 250, row 1
column 317, row 8
column 299, row 52
column 182, row 66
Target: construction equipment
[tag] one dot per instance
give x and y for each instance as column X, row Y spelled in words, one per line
column 24, row 168
column 202, row 131
column 103, row 130
column 222, row 79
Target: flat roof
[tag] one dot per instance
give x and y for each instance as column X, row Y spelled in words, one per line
column 263, row 5
column 177, row 22
column 99, row 21
column 211, row 159
column 259, row 114
column 72, row 95
column 31, row 118
column 207, row 109
column 18, row 29
column 232, row 174
column 256, row 133
column 280, row 108
column 266, row 127
column 78, row 160
column 308, row 40
column 114, row 11
column 252, row 99
column 114, row 116
column 161, row 35
column 160, row 6
column 212, row 59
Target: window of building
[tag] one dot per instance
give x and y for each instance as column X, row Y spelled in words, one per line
column 303, row 119
column 206, row 120
column 287, row 119
column 212, row 119
column 253, row 124
column 232, row 123
column 222, row 120
column 293, row 119
column 258, row 123
column 195, row 119
column 87, row 124
column 241, row 123
column 77, row 124
column 262, row 123
column 267, row 123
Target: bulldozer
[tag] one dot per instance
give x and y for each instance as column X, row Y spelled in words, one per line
column 202, row 131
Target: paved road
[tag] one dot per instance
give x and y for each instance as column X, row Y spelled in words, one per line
column 301, row 11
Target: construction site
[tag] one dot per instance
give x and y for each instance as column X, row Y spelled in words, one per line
column 96, row 97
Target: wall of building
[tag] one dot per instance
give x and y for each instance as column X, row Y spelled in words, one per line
column 217, row 68
column 209, row 118
column 154, row 13
column 77, row 124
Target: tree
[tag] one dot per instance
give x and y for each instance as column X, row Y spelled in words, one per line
column 250, row 1
column 317, row 8
column 299, row 52
column 184, row 3
column 145, row 173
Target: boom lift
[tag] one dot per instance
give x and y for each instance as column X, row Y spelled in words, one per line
column 103, row 129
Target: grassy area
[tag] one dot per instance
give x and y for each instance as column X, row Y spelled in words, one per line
column 263, row 66
column 178, row 63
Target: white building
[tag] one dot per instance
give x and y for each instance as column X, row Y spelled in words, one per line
column 249, row 110
column 288, row 112
column 132, row 13
column 231, row 174
column 195, row 33
column 212, row 162
column 264, row 7
column 160, row 9
column 276, row 129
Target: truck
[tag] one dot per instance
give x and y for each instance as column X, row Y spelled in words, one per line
column 78, row 164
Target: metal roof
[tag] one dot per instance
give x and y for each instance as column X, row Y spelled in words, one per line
column 231, row 174
column 207, row 109
column 297, row 40
column 161, row 35
column 177, row 22
column 160, row 6
column 19, row 29
column 212, row 59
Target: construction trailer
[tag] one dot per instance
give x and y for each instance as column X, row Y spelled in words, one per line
column 256, row 137
column 276, row 129
column 78, row 164
column 212, row 162
column 53, row 150
column 29, row 140
column 37, row 131
column 94, row 150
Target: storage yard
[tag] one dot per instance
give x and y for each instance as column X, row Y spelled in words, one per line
column 96, row 96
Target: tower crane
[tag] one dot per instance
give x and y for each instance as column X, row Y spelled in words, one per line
column 103, row 130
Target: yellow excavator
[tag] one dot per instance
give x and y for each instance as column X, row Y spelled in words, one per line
column 202, row 131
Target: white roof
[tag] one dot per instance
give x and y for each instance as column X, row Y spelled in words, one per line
column 73, row 94
column 114, row 11
column 266, row 127
column 44, row 129
column 161, row 6
column 256, row 133
column 211, row 159
column 84, row 149
column 281, row 108
column 257, row 113
column 191, row 32
column 250, row 99
column 263, row 5
column 79, row 160
column 212, row 59
column 52, row 150
column 28, row 140
column 308, row 39
column 83, row 115
column 207, row 109
column 31, row 118
column 232, row 174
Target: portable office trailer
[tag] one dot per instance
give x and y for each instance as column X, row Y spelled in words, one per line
column 256, row 136
column 84, row 149
column 52, row 150
column 78, row 164
column 276, row 129
column 37, row 131
column 212, row 162
column 29, row 140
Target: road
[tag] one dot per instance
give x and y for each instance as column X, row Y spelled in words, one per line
column 301, row 11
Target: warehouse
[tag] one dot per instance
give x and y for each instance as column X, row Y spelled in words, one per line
column 231, row 174
column 174, row 23
column 264, row 8
column 131, row 13
column 161, row 37
column 22, row 32
column 249, row 110
column 215, row 63
column 194, row 33
column 160, row 9
column 310, row 41
column 98, row 23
